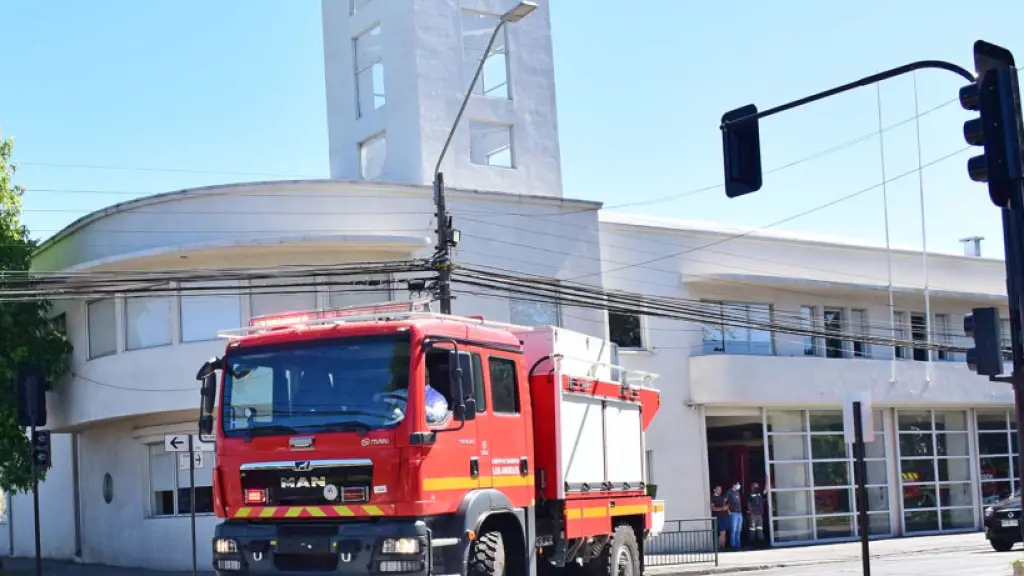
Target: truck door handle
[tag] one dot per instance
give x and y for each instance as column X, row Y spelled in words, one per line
column 474, row 467
column 524, row 466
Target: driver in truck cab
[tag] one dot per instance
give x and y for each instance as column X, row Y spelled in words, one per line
column 437, row 406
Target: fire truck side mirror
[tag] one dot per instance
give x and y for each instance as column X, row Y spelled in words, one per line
column 206, row 425
column 463, row 387
column 208, row 391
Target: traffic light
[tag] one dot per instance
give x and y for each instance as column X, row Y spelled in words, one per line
column 986, row 358
column 31, row 389
column 41, row 449
column 995, row 95
column 741, row 152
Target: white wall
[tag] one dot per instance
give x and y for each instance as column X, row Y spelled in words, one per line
column 56, row 508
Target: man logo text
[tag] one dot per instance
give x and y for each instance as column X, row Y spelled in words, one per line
column 311, row 482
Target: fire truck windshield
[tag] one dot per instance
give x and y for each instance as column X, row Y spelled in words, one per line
column 355, row 383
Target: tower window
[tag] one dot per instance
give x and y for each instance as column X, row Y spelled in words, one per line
column 369, row 72
column 476, row 32
column 373, row 153
column 490, row 144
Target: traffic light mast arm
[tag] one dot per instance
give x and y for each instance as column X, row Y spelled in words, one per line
column 898, row 71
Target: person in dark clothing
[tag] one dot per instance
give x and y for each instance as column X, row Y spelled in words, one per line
column 720, row 510
column 755, row 514
column 734, row 499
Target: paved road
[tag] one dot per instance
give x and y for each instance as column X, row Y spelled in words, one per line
column 959, row 563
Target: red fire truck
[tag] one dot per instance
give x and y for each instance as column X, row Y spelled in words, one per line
column 387, row 439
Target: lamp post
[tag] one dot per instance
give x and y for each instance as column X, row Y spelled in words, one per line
column 447, row 236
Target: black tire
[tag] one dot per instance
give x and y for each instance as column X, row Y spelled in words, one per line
column 620, row 557
column 1001, row 545
column 487, row 556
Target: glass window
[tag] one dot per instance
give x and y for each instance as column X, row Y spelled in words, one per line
column 352, row 383
column 369, row 71
column 491, row 144
column 477, row 29
column 373, row 154
column 102, row 328
column 169, row 482
column 807, row 322
column 899, row 321
column 935, row 470
column 943, row 335
column 997, row 450
column 359, row 290
column 537, row 311
column 207, row 308
column 859, row 327
column 833, row 329
column 625, row 330
column 277, row 296
column 504, row 388
column 147, row 322
column 740, row 329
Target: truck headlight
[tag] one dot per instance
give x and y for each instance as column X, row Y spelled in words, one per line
column 401, row 546
column 989, row 511
column 225, row 546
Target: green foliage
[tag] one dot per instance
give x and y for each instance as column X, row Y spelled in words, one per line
column 26, row 332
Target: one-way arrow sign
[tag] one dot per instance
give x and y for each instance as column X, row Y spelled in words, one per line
column 179, row 443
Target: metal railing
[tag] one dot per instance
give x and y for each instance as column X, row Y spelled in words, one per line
column 693, row 541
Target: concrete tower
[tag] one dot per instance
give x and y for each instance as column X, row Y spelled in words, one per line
column 396, row 73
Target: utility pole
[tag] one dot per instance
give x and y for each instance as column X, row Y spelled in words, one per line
column 447, row 235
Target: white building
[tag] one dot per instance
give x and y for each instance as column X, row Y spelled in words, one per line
column 396, row 71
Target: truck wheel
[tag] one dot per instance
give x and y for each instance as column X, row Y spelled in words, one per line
column 620, row 557
column 487, row 557
column 1002, row 545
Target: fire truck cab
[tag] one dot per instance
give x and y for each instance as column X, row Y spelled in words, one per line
column 388, row 439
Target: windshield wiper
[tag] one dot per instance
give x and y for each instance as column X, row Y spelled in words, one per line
column 362, row 427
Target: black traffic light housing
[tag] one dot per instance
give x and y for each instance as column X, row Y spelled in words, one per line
column 41, row 449
column 31, row 389
column 741, row 151
column 998, row 129
column 986, row 357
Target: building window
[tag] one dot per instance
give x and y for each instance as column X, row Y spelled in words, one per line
column 899, row 321
column 919, row 333
column 60, row 323
column 169, row 483
column 357, row 5
column 276, row 297
column 626, row 330
column 477, row 29
column 534, row 311
column 833, row 333
column 943, row 336
column 1006, row 336
column 207, row 308
column 812, row 480
column 935, row 470
column 373, row 153
column 740, row 330
column 997, row 454
column 808, row 316
column 102, row 328
column 358, row 290
column 859, row 327
column 369, row 72
column 490, row 144
column 504, row 388
column 147, row 322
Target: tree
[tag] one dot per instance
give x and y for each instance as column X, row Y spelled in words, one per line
column 27, row 333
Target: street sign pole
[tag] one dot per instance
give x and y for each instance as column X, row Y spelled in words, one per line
column 192, row 497
column 860, row 471
column 33, row 408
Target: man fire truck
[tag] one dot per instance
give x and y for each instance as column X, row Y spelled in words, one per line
column 388, row 439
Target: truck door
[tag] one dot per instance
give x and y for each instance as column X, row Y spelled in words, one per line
column 511, row 470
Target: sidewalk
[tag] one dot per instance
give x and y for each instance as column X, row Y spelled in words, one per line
column 729, row 562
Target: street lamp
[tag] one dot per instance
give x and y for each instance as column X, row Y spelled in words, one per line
column 447, row 237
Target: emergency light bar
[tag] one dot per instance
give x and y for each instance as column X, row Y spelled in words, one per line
column 379, row 309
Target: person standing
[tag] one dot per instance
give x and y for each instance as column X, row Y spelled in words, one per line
column 720, row 511
column 734, row 499
column 755, row 514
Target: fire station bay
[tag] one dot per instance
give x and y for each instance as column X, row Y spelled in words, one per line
column 738, row 404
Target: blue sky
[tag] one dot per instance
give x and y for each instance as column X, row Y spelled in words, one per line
column 236, row 87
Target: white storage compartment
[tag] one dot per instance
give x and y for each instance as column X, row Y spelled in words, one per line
column 582, row 440
column 625, row 451
column 583, row 356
